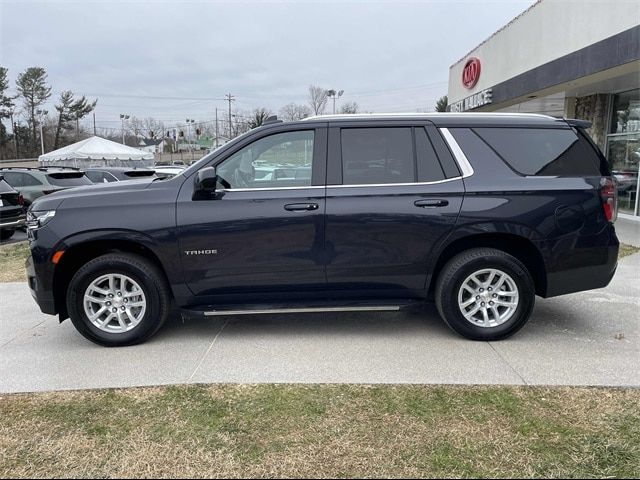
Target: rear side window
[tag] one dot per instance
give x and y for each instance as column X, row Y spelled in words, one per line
column 543, row 151
column 429, row 168
column 68, row 179
column 377, row 156
column 17, row 179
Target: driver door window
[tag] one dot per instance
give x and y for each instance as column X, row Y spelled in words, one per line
column 280, row 160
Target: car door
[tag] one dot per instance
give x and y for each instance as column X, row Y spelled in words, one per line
column 390, row 200
column 258, row 235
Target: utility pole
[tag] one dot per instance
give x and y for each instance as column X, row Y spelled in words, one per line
column 216, row 127
column 230, row 98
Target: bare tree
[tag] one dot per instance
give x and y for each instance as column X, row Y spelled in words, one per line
column 317, row 99
column 147, row 127
column 293, row 112
column 352, row 107
column 258, row 117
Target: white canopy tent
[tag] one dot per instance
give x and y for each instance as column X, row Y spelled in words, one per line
column 97, row 151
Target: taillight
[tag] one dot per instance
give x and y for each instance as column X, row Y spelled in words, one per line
column 609, row 196
column 21, row 200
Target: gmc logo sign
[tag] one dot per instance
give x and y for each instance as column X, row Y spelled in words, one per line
column 471, row 72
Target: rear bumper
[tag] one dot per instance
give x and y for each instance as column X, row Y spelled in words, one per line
column 13, row 223
column 589, row 264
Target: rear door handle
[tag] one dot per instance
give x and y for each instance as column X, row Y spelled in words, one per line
column 431, row 203
column 297, row 207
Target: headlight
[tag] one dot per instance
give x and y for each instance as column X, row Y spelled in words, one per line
column 36, row 220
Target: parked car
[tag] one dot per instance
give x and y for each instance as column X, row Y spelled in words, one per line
column 480, row 212
column 33, row 183
column 118, row 174
column 12, row 211
column 168, row 172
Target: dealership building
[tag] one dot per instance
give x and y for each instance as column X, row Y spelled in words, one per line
column 573, row 59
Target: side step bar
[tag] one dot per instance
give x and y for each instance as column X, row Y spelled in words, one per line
column 379, row 308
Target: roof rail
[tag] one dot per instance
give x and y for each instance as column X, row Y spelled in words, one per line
column 574, row 122
column 271, row 119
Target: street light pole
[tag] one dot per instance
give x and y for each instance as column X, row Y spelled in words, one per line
column 123, row 117
column 333, row 94
column 41, row 114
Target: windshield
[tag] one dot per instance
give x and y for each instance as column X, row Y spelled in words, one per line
column 194, row 167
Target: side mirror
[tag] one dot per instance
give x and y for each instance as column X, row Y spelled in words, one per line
column 205, row 183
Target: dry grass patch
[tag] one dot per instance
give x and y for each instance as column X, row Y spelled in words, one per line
column 626, row 250
column 12, row 258
column 322, row 431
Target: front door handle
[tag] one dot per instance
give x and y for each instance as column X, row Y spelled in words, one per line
column 431, row 203
column 297, row 207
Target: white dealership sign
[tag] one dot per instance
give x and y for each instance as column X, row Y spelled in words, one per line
column 476, row 100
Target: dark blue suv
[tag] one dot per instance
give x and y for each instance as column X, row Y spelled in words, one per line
column 480, row 212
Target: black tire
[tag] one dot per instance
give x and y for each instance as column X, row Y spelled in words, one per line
column 145, row 273
column 464, row 264
column 6, row 234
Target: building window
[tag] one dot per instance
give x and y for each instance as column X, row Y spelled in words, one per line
column 623, row 148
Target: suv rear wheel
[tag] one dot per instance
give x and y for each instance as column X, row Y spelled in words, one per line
column 485, row 294
column 118, row 299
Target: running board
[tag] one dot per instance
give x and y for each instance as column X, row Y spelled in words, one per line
column 211, row 310
column 389, row 308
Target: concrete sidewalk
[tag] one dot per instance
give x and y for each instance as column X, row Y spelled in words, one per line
column 590, row 338
column 628, row 231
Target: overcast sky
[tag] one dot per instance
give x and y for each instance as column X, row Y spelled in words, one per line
column 173, row 60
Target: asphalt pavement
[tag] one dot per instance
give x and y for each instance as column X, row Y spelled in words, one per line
column 18, row 236
column 589, row 338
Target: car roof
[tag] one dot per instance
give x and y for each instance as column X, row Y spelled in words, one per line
column 118, row 169
column 40, row 169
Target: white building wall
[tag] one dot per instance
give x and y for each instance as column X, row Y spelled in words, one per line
column 548, row 30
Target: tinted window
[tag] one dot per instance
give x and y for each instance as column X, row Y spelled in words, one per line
column 270, row 162
column 18, row 179
column 540, row 151
column 68, row 179
column 377, row 156
column 95, row 176
column 429, row 169
column 14, row 179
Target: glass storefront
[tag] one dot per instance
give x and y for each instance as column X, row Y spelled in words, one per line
column 623, row 148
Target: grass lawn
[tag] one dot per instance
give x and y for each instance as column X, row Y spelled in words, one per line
column 322, row 430
column 13, row 256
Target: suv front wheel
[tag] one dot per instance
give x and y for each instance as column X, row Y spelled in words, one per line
column 118, row 299
column 485, row 294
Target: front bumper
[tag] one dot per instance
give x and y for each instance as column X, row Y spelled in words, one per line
column 44, row 298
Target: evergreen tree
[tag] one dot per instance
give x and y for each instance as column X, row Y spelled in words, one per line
column 32, row 87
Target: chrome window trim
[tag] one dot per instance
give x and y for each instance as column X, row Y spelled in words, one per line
column 435, row 182
column 458, row 154
column 268, row 188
